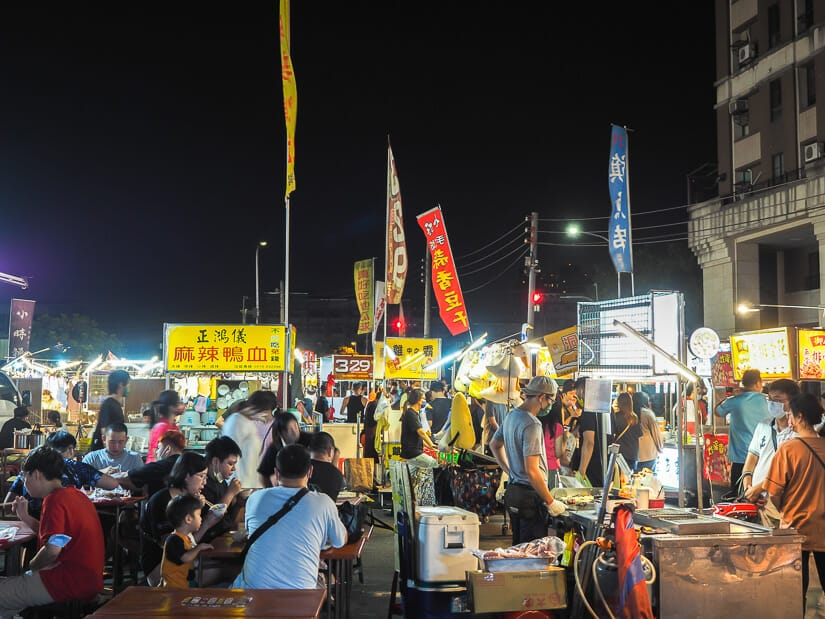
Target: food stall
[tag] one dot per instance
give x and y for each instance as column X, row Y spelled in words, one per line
column 213, row 366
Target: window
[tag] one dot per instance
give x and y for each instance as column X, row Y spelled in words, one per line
column 805, row 15
column 778, row 165
column 776, row 100
column 741, row 126
column 773, row 26
column 809, row 85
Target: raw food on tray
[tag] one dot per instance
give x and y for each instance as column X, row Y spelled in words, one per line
column 542, row 548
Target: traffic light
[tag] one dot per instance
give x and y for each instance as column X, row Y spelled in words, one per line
column 537, row 299
column 398, row 325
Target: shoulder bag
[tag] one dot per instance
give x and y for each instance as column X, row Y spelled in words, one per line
column 813, row 453
column 292, row 502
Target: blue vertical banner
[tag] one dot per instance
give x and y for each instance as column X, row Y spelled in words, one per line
column 618, row 231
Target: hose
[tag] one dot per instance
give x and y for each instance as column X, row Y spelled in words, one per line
column 578, row 578
column 601, row 559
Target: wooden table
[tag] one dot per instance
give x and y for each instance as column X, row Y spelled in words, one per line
column 339, row 564
column 14, row 548
column 162, row 602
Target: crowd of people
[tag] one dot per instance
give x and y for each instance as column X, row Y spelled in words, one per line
column 261, row 462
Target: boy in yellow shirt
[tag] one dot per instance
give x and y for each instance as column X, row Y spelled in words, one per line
column 180, row 550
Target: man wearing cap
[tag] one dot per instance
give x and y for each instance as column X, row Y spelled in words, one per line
column 518, row 446
column 746, row 410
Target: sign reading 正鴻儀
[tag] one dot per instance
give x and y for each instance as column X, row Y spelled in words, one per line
column 225, row 348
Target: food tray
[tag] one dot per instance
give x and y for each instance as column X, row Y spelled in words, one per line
column 528, row 564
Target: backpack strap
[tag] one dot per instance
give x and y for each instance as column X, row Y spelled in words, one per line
column 292, row 502
column 811, row 449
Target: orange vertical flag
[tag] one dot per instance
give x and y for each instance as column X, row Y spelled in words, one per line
column 290, row 96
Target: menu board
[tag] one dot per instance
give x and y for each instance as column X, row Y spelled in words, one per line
column 811, row 354
column 410, row 355
column 722, row 369
column 767, row 350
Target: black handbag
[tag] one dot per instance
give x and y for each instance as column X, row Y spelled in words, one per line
column 354, row 517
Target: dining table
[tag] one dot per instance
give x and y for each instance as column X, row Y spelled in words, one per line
column 337, row 566
column 114, row 507
column 212, row 602
column 12, row 542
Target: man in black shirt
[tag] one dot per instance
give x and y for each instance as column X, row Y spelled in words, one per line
column 18, row 422
column 325, row 475
column 153, row 475
column 413, row 436
column 590, row 429
column 111, row 410
column 439, row 408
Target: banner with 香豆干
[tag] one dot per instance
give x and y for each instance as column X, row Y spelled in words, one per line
column 363, row 274
column 619, row 232
column 446, row 287
column 226, row 348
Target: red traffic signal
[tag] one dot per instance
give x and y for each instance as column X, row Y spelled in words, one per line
column 398, row 324
column 538, row 297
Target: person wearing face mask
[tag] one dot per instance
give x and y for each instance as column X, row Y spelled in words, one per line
column 518, row 446
column 242, row 427
column 795, row 483
column 111, row 409
column 767, row 437
column 188, row 476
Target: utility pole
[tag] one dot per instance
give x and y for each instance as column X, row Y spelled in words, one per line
column 532, row 263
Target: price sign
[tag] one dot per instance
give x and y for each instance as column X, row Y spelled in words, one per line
column 352, row 367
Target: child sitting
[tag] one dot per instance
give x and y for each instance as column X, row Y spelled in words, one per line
column 180, row 550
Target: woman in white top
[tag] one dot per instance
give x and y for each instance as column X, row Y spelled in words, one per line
column 242, row 427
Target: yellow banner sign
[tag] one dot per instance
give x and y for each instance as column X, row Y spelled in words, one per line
column 564, row 350
column 405, row 357
column 364, row 294
column 767, row 350
column 811, row 353
column 225, row 348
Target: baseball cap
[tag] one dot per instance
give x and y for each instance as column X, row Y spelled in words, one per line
column 541, row 384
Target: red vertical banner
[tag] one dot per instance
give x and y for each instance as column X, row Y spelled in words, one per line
column 20, row 326
column 447, row 290
column 396, row 243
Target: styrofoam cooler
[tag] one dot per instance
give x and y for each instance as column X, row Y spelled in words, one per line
column 446, row 537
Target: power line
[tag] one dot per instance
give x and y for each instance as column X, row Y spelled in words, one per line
column 510, row 253
column 475, row 251
column 498, row 249
column 492, row 279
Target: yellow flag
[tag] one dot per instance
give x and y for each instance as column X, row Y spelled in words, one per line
column 290, row 97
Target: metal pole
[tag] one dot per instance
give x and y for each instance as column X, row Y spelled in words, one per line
column 257, row 287
column 285, row 287
column 427, row 284
column 281, row 303
column 532, row 262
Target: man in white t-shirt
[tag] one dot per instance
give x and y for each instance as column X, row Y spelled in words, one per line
column 287, row 555
column 768, row 436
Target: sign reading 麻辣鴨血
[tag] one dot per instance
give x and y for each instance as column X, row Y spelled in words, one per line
column 225, row 348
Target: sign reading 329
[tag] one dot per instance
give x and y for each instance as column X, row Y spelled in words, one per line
column 352, row 367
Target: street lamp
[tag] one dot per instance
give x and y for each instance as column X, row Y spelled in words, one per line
column 574, row 230
column 749, row 308
column 258, row 283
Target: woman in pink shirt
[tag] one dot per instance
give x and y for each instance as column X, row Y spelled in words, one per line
column 553, row 433
column 164, row 413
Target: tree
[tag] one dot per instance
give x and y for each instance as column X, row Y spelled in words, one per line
column 86, row 339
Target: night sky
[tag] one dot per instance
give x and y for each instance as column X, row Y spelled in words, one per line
column 142, row 145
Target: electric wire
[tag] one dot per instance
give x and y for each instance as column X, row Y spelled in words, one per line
column 495, row 277
column 498, row 249
column 475, row 251
column 478, row 270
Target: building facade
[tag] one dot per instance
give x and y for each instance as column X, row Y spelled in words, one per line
column 760, row 241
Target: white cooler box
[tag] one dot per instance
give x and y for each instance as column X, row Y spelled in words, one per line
column 446, row 535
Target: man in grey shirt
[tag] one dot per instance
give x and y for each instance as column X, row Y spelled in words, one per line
column 518, row 446
column 114, row 457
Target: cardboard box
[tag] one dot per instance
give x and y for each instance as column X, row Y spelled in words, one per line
column 496, row 592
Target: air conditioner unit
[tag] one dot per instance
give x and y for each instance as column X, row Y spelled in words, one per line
column 746, row 53
column 738, row 106
column 814, row 151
